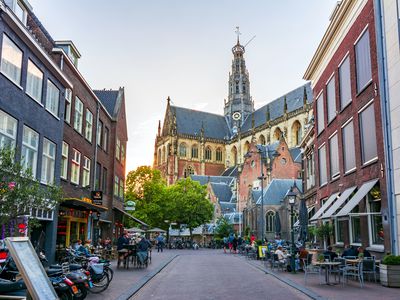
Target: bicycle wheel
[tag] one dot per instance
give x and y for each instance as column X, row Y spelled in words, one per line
column 100, row 283
column 110, row 272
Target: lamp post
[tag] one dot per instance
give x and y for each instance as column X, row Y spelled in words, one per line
column 292, row 198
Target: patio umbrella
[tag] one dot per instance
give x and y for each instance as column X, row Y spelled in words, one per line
column 303, row 220
column 278, row 226
column 156, row 230
column 135, row 229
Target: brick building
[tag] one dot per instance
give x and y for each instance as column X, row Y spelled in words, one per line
column 349, row 152
column 32, row 88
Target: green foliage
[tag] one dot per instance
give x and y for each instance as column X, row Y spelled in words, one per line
column 247, row 231
column 20, row 191
column 223, row 228
column 189, row 203
column 324, row 231
column 391, row 260
column 320, row 257
column 258, row 243
column 136, row 181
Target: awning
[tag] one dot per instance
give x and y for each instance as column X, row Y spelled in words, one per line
column 104, row 221
column 324, row 207
column 297, row 224
column 130, row 216
column 338, row 203
column 83, row 205
column 353, row 202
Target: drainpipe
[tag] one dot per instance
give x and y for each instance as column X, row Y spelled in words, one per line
column 386, row 122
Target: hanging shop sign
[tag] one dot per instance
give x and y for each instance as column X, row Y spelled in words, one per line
column 97, row 197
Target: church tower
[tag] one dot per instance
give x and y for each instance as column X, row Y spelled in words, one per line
column 239, row 105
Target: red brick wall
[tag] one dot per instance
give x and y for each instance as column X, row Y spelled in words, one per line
column 362, row 173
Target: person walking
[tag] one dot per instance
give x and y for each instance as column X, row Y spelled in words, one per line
column 160, row 243
column 234, row 244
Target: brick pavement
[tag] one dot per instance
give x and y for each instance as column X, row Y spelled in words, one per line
column 350, row 290
column 126, row 279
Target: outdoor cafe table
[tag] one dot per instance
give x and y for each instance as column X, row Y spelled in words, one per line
column 328, row 265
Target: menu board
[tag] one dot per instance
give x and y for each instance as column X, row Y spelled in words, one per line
column 31, row 269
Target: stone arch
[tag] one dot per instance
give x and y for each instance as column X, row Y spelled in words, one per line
column 261, row 139
column 208, row 153
column 270, row 221
column 296, row 133
column 234, row 155
column 277, row 134
column 182, row 149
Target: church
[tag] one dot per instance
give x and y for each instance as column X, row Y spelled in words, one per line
column 191, row 142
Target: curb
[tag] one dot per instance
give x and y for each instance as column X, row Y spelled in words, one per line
column 145, row 279
column 289, row 282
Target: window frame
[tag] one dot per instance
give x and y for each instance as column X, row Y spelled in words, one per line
column 99, row 134
column 86, row 171
column 346, row 147
column 76, row 161
column 331, row 93
column 343, row 104
column 52, row 105
column 320, row 105
column 323, row 146
column 334, row 175
column 89, row 125
column 4, row 135
column 78, row 115
column 47, row 158
column 16, row 81
column 68, row 105
column 64, row 160
column 37, row 98
column 365, row 161
column 118, row 149
column 358, row 71
column 31, row 148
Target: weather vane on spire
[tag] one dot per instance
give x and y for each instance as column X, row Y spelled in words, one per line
column 238, row 33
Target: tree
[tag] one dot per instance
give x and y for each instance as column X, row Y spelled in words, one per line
column 137, row 179
column 189, row 204
column 224, row 228
column 20, row 191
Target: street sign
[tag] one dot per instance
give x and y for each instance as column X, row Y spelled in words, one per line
column 97, row 197
column 129, row 208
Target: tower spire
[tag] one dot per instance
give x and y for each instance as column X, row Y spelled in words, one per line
column 238, row 33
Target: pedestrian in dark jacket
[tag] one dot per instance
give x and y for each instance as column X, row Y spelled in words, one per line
column 234, row 244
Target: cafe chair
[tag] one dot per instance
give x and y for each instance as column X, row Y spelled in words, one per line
column 310, row 268
column 355, row 271
column 369, row 267
column 276, row 263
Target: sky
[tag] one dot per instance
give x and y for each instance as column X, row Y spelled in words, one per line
column 182, row 49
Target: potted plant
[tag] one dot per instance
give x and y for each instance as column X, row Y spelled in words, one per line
column 320, row 257
column 390, row 271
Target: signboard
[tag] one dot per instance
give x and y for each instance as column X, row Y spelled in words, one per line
column 97, row 197
column 31, row 269
column 127, row 208
column 262, row 250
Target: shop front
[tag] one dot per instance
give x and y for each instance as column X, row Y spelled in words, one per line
column 77, row 219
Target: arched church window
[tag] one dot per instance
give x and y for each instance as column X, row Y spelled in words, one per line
column 182, row 150
column 277, row 134
column 195, row 151
column 246, row 147
column 296, row 133
column 270, row 221
column 188, row 171
column 159, row 157
column 218, row 154
column 164, row 158
column 234, row 155
column 261, row 140
column 208, row 154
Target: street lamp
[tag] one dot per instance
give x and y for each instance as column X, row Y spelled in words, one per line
column 292, row 198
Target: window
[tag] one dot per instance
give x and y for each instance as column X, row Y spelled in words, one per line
column 188, row 171
column 349, row 152
column 86, row 172
column 331, row 99
column 344, row 83
column 20, row 12
column 89, row 125
column 322, row 166
column 78, row 115
column 97, row 179
column 104, row 184
column 182, row 150
column 355, row 230
column 340, row 230
column 320, row 113
column 75, row 166
column 64, row 160
column 48, row 161
column 368, row 134
column 99, row 133
column 270, row 221
column 52, row 98
column 105, row 139
column 118, row 149
column 67, row 108
column 116, row 186
column 218, row 154
column 30, row 144
column 8, row 130
column 363, row 61
column 11, row 60
column 159, row 157
column 334, row 156
column 375, row 220
column 34, row 82
column 195, row 151
column 121, row 189
column 208, row 153
column 122, row 154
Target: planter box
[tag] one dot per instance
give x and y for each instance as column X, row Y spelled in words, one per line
column 390, row 275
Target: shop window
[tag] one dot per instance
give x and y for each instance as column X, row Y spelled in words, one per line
column 340, row 231
column 375, row 216
column 355, row 221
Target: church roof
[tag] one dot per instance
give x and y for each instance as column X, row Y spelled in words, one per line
column 276, row 191
column 204, row 179
column 232, row 171
column 222, row 191
column 296, row 154
column 294, row 100
column 227, row 207
column 108, row 98
column 191, row 122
